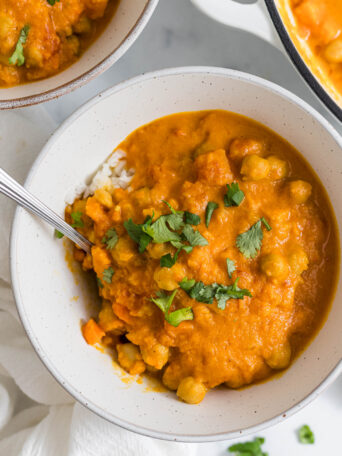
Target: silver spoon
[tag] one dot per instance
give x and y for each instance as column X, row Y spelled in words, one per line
column 16, row 192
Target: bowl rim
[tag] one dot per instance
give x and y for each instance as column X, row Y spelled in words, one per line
column 92, row 73
column 231, row 74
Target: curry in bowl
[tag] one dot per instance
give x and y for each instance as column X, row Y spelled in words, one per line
column 315, row 27
column 39, row 38
column 215, row 252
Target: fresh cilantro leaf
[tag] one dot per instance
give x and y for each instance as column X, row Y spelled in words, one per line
column 164, row 303
column 77, row 220
column 99, row 282
column 223, row 293
column 203, row 293
column 108, row 274
column 191, row 219
column 249, row 242
column 194, row 237
column 18, row 58
column 110, row 238
column 211, row 206
column 171, row 208
column 264, row 221
column 175, row 221
column 207, row 293
column 52, row 2
column 167, row 261
column 159, row 231
column 305, row 435
column 176, row 317
column 252, row 448
column 58, row 234
column 230, row 267
column 136, row 232
column 234, row 195
column 187, row 284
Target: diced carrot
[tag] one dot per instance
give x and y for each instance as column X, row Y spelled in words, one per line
column 92, row 332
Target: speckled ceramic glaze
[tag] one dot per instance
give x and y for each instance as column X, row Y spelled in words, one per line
column 45, row 289
column 124, row 28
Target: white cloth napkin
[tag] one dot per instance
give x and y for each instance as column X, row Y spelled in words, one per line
column 37, row 417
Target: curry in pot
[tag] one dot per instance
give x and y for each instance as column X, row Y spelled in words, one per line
column 218, row 264
column 315, row 27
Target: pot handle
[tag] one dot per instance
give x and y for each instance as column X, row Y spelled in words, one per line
column 251, row 17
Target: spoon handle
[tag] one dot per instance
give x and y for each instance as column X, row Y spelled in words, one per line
column 9, row 187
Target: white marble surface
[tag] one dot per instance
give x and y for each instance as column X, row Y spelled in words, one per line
column 180, row 35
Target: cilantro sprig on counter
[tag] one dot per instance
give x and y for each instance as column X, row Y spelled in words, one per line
column 18, row 58
column 207, row 293
column 252, row 448
column 234, row 195
column 249, row 242
column 164, row 302
column 305, row 435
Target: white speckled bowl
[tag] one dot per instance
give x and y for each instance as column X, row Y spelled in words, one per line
column 124, row 28
column 44, row 287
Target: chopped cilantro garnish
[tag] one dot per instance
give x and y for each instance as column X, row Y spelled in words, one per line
column 187, row 284
column 77, row 220
column 164, row 302
column 191, row 219
column 99, row 282
column 211, row 206
column 252, row 448
column 52, row 2
column 110, row 238
column 108, row 274
column 58, row 234
column 223, row 293
column 159, row 230
column 138, row 234
column 207, row 293
column 17, row 58
column 249, row 242
column 194, row 237
column 305, row 435
column 167, row 261
column 230, row 267
column 234, row 195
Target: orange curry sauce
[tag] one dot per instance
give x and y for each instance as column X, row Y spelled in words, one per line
column 57, row 34
column 187, row 159
column 315, row 27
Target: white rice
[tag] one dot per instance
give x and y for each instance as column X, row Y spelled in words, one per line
column 112, row 174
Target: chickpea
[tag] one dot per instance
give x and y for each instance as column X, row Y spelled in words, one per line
column 130, row 358
column 74, row 44
column 34, row 57
column 310, row 13
column 275, row 266
column 254, row 168
column 236, row 380
column 156, row 356
column 280, row 356
column 158, row 250
column 104, row 197
column 300, row 191
column 169, row 278
column 8, row 33
column 240, row 147
column 298, row 260
column 124, row 251
column 108, row 321
column 333, row 52
column 83, row 25
column 170, row 380
column 278, row 168
column 191, row 391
